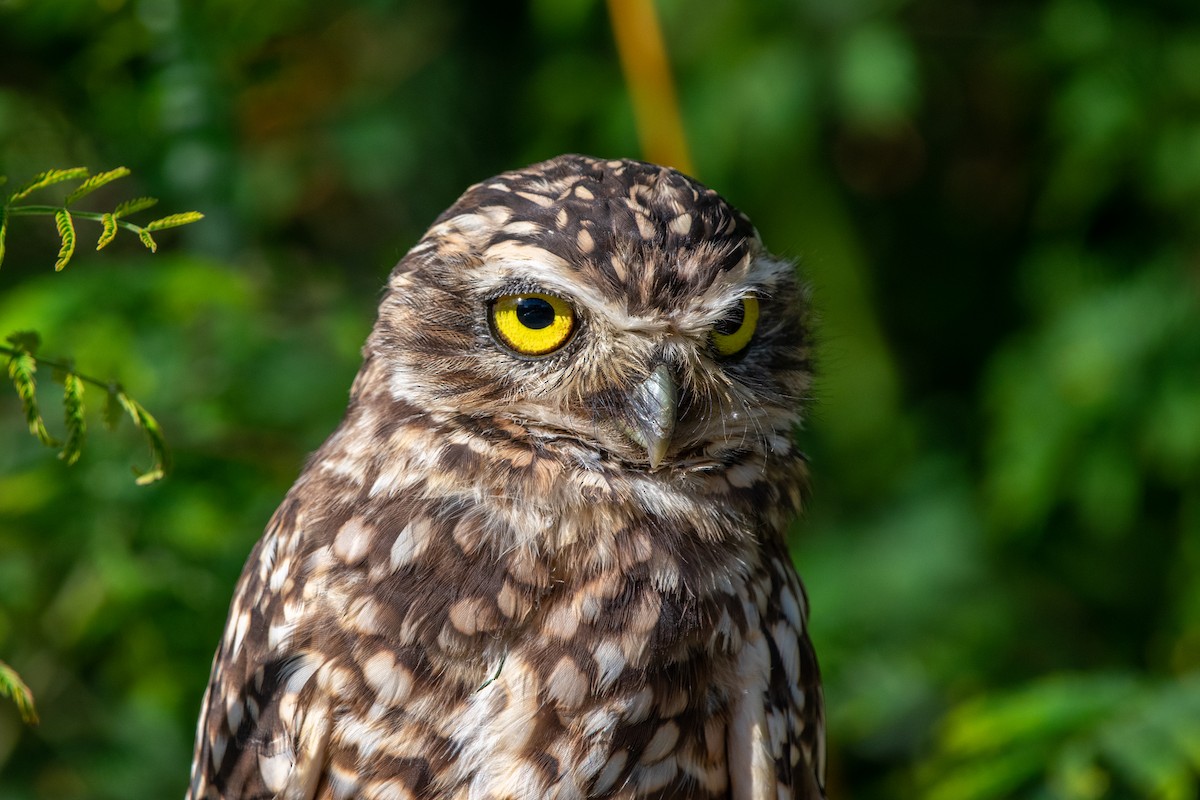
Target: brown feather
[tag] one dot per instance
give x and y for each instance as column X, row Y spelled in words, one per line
column 480, row 587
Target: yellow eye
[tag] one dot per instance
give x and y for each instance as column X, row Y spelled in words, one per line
column 731, row 335
column 532, row 324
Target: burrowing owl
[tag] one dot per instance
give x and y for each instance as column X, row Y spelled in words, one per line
column 543, row 555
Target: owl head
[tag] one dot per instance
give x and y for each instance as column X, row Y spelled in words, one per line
column 617, row 305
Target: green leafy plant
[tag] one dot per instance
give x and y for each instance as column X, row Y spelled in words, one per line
column 22, row 367
column 12, row 686
column 1085, row 736
column 65, row 216
column 22, row 347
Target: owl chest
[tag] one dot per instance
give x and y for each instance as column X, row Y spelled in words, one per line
column 598, row 707
column 530, row 677
column 616, row 703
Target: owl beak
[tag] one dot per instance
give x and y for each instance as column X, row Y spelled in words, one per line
column 655, row 405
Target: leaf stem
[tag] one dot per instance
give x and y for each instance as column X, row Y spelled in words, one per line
column 108, row 386
column 643, row 56
column 96, row 216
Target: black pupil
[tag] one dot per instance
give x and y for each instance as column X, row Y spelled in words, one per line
column 730, row 324
column 534, row 313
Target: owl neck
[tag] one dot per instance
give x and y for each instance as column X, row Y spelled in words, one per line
column 555, row 495
column 511, row 532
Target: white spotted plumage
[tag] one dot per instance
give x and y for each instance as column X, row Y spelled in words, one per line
column 487, row 583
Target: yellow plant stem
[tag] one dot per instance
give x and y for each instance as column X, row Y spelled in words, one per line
column 648, row 75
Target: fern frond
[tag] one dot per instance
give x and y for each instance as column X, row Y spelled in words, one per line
column 12, row 686
column 21, row 368
column 95, row 182
column 66, row 232
column 48, row 178
column 158, row 445
column 175, row 220
column 22, row 361
column 73, row 415
column 133, row 206
column 148, row 240
column 108, row 231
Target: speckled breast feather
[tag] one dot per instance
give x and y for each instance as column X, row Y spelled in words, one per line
column 482, row 586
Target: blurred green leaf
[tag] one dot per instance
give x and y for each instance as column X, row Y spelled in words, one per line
column 13, row 687
column 21, row 368
column 1084, row 733
column 3, row 229
column 174, row 221
column 877, row 75
column 127, row 207
column 108, row 231
column 95, row 182
column 66, row 232
column 148, row 240
column 29, row 341
column 158, row 446
column 73, row 416
column 47, row 178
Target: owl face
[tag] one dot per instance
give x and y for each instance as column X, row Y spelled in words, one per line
column 615, row 304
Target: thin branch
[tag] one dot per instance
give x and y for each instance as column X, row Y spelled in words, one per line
column 97, row 216
column 65, row 366
column 648, row 75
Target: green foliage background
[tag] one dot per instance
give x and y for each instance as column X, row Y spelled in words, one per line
column 998, row 206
